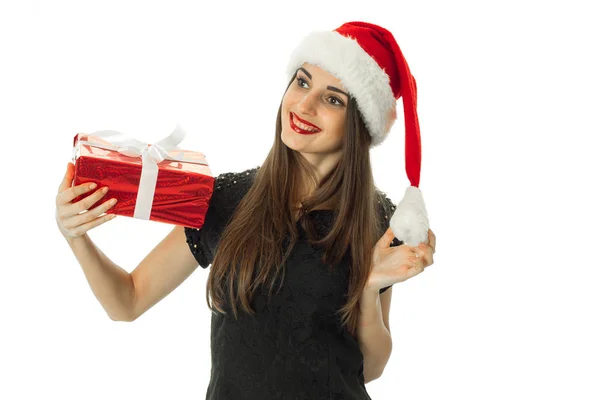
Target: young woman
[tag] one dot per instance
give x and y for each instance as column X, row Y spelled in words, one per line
column 302, row 257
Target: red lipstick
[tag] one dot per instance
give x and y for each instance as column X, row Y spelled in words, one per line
column 300, row 130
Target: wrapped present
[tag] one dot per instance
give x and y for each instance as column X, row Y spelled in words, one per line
column 158, row 182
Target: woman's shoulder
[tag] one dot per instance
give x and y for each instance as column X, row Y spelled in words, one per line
column 385, row 205
column 229, row 188
column 228, row 179
column 386, row 208
column 232, row 186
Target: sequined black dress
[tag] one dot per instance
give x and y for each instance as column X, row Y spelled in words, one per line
column 294, row 347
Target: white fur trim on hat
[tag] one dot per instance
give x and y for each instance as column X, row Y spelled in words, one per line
column 357, row 70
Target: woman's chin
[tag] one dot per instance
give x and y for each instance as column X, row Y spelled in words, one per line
column 293, row 140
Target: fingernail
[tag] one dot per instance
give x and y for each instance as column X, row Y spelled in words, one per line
column 93, row 185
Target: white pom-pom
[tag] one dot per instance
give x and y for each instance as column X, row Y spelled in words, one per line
column 410, row 222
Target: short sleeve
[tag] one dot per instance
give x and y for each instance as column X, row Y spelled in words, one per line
column 387, row 208
column 201, row 240
column 229, row 189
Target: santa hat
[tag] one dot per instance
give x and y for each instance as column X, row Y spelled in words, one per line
column 368, row 62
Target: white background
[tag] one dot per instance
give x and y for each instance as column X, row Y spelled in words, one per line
column 508, row 105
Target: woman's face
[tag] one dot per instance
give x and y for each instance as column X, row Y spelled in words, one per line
column 319, row 99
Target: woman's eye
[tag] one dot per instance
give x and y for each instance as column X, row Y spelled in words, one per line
column 300, row 80
column 338, row 101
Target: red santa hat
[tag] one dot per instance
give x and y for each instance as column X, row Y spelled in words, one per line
column 367, row 60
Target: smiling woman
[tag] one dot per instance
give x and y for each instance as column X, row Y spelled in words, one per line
column 301, row 228
column 299, row 247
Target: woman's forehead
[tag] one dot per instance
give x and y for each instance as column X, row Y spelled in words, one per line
column 321, row 74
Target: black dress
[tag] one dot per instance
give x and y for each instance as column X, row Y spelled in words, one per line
column 293, row 347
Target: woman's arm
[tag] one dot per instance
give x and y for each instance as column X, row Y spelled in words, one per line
column 125, row 296
column 110, row 283
column 165, row 268
column 375, row 341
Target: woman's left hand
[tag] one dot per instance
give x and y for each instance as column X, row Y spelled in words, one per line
column 391, row 265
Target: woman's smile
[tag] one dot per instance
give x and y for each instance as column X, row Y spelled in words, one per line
column 301, row 126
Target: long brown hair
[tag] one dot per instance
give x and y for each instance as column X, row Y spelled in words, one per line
column 254, row 237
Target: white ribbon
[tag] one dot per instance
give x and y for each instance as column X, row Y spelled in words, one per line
column 150, row 155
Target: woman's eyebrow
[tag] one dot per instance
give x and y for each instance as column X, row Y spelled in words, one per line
column 306, row 72
column 338, row 90
column 328, row 87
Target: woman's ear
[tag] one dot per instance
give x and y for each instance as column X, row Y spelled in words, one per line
column 391, row 118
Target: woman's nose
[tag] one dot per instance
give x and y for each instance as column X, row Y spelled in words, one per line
column 306, row 105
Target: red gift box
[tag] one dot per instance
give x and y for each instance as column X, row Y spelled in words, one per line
column 182, row 183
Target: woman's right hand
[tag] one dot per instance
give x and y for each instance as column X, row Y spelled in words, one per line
column 70, row 222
